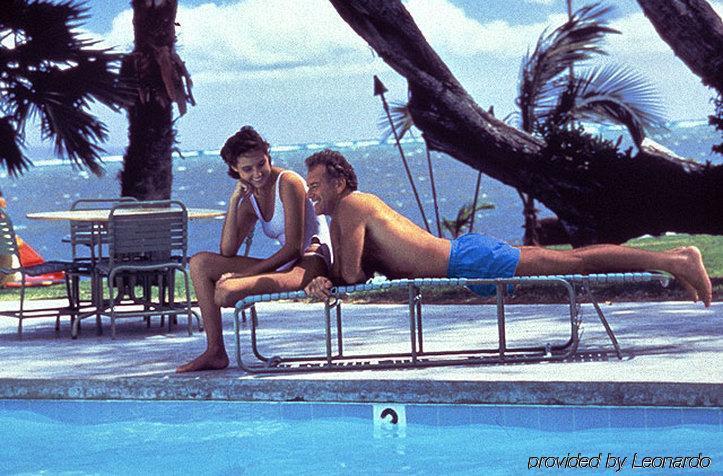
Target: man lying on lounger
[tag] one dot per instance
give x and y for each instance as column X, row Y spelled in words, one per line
column 368, row 236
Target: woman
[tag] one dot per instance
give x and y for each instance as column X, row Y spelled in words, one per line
column 277, row 198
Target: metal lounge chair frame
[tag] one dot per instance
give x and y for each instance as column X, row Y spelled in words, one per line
column 334, row 358
column 154, row 242
column 9, row 246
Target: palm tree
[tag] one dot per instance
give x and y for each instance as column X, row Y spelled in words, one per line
column 609, row 93
column 465, row 216
column 162, row 79
column 551, row 94
column 48, row 71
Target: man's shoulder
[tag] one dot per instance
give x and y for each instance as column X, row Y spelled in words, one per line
column 357, row 202
column 358, row 198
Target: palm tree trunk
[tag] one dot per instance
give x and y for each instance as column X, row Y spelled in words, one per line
column 147, row 172
column 147, row 163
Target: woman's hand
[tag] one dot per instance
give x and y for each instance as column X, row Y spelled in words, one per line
column 241, row 190
column 320, row 288
column 226, row 276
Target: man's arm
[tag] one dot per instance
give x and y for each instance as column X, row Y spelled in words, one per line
column 348, row 232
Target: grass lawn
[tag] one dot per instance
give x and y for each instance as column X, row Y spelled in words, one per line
column 711, row 247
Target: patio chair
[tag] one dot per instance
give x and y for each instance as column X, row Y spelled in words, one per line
column 88, row 242
column 9, row 247
column 147, row 240
column 336, row 357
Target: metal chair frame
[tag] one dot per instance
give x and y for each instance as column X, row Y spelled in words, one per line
column 335, row 359
column 88, row 241
column 150, row 246
column 9, row 246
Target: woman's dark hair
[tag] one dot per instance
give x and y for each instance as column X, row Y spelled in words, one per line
column 336, row 166
column 245, row 140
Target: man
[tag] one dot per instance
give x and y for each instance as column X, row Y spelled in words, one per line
column 369, row 236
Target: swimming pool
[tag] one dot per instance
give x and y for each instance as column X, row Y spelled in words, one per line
column 193, row 437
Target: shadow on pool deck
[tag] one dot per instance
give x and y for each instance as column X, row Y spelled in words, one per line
column 677, row 358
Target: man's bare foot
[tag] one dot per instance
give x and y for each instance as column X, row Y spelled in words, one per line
column 205, row 361
column 692, row 274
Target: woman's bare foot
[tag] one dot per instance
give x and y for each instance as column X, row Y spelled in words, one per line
column 692, row 274
column 206, row 361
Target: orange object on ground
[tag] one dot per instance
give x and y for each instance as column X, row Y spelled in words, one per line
column 30, row 257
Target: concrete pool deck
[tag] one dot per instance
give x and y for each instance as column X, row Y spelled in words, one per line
column 674, row 357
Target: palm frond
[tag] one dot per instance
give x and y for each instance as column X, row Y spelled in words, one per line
column 463, row 218
column 613, row 93
column 48, row 70
column 10, row 150
column 576, row 40
column 512, row 119
column 401, row 118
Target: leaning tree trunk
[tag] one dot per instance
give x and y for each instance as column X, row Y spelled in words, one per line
column 694, row 31
column 160, row 74
column 595, row 202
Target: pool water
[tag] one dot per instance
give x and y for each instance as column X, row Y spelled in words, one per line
column 224, row 438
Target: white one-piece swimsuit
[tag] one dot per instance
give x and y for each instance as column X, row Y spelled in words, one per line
column 315, row 226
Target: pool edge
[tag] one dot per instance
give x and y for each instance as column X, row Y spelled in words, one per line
column 367, row 391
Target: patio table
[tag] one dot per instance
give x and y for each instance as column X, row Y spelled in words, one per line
column 99, row 219
column 101, row 215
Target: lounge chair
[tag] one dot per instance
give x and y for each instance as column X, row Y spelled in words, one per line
column 334, row 356
column 9, row 246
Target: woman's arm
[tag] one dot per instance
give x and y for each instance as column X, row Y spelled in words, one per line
column 348, row 252
column 239, row 221
column 293, row 198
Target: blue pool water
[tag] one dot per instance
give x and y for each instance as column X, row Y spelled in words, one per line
column 101, row 437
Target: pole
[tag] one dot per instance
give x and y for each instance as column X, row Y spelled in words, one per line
column 379, row 90
column 434, row 192
column 474, row 202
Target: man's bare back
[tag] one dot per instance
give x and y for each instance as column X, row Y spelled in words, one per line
column 391, row 243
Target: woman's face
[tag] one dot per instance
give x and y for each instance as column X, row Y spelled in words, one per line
column 253, row 168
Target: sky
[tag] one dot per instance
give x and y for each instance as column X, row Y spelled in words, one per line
column 298, row 73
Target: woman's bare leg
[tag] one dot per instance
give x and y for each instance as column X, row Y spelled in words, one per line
column 685, row 263
column 230, row 291
column 233, row 290
column 206, row 269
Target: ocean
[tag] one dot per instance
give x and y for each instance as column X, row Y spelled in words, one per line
column 200, row 181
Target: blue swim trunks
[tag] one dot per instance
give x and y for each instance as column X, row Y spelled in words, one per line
column 479, row 256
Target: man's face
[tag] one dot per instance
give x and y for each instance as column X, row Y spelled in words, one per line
column 322, row 190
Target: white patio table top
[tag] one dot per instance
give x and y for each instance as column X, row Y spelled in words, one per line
column 101, row 215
